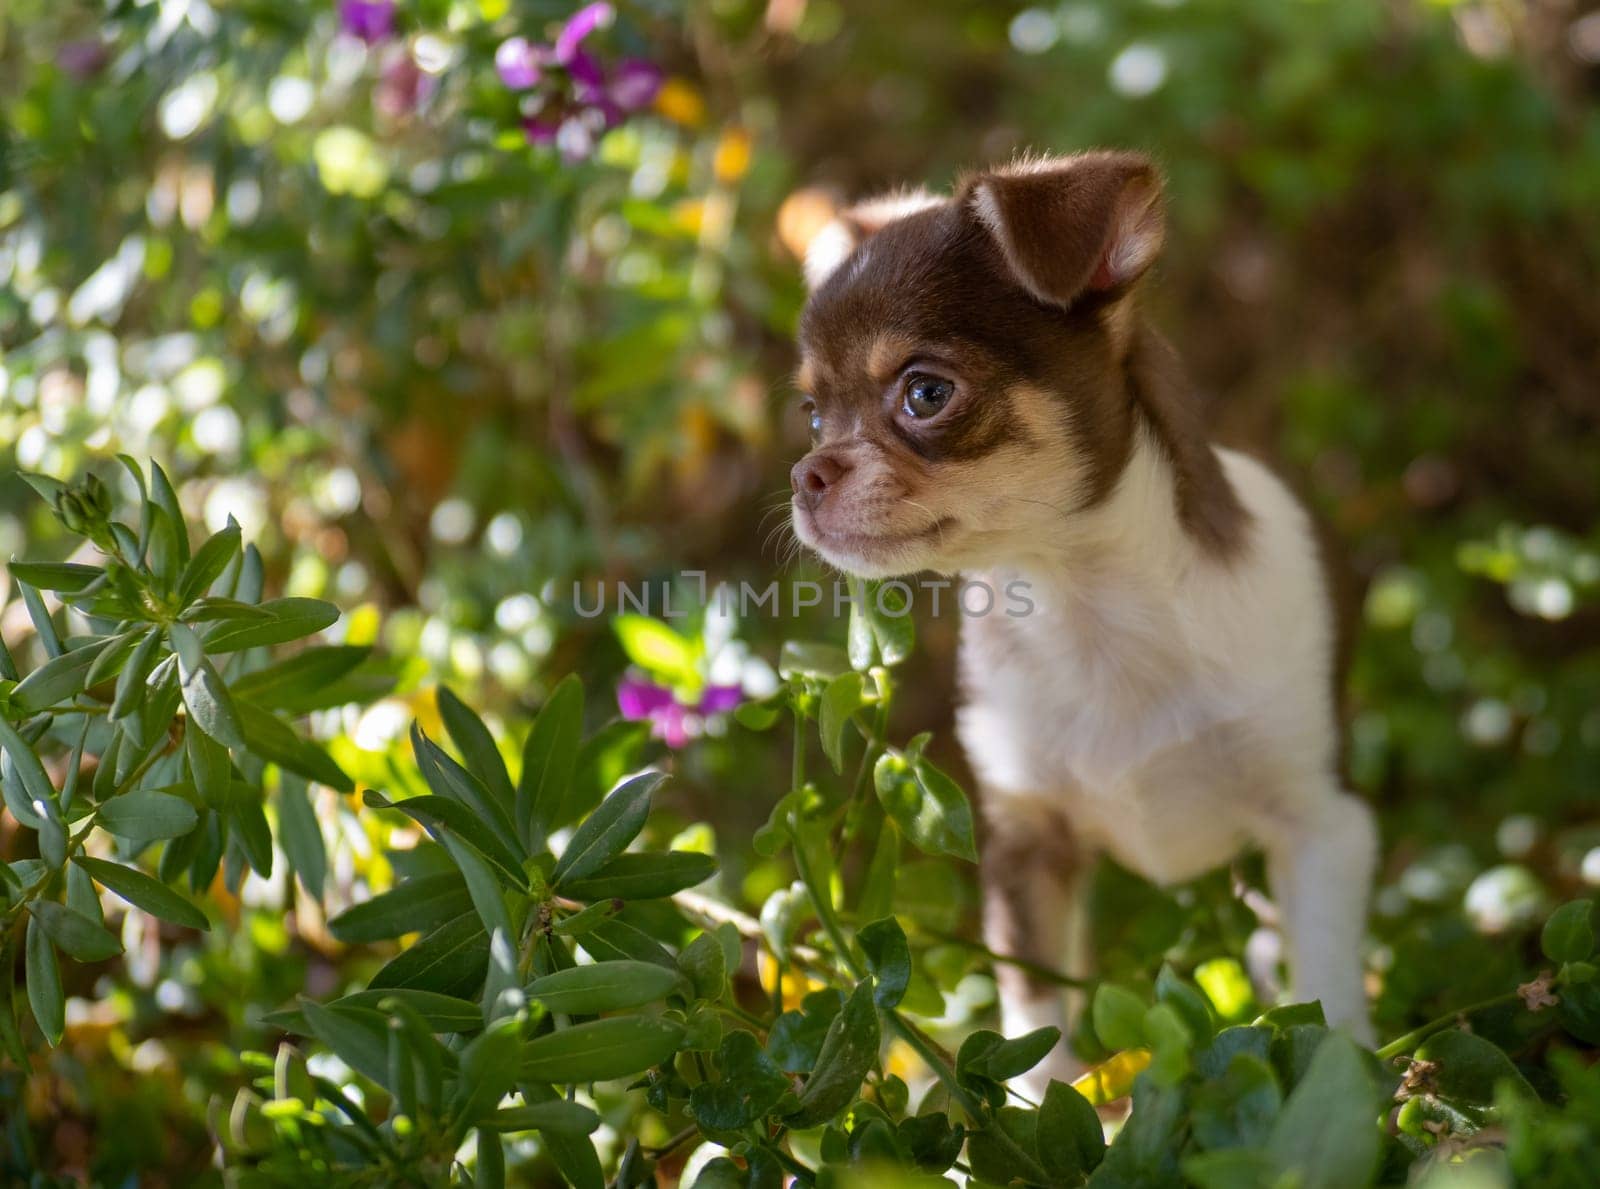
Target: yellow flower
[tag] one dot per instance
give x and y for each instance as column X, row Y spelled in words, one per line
column 1113, row 1079
column 679, row 102
column 732, row 160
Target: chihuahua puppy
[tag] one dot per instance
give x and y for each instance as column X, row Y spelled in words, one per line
column 985, row 400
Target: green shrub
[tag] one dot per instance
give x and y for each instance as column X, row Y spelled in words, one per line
column 564, row 975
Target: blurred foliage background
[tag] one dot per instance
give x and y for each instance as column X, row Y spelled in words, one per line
column 445, row 346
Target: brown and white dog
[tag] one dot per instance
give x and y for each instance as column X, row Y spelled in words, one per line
column 985, row 400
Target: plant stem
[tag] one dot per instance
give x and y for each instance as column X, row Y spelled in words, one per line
column 1416, row 1036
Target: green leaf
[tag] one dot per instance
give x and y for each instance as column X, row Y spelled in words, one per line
column 1327, row 1133
column 603, row 987
column 146, row 815
column 443, row 1013
column 645, row 876
column 1470, row 1069
column 1071, row 1140
column 206, row 566
column 59, row 678
column 1237, row 1110
column 449, row 779
column 477, row 748
column 419, row 904
column 84, row 939
column 450, row 960
column 215, row 609
column 269, row 737
column 705, row 965
column 43, row 974
column 140, row 890
column 586, row 919
column 549, row 759
column 574, row 1156
column 30, row 772
column 600, row 1050
column 606, row 831
column 1189, row 1004
column 558, row 1115
column 210, row 766
column 861, row 646
column 114, row 656
column 250, row 830
column 1118, row 1016
column 615, row 939
column 927, row 805
column 888, row 610
column 39, row 614
column 840, row 700
column 205, row 696
column 300, row 834
column 889, row 956
column 994, row 1162
column 131, row 686
column 1170, row 1043
column 750, row 1087
column 166, row 498
column 358, row 1036
column 447, row 818
column 488, row 1072
column 655, row 647
column 1568, row 935
column 1232, row 1168
column 848, row 1053
column 287, row 619
column 308, row 680
column 1013, row 1057
column 61, row 577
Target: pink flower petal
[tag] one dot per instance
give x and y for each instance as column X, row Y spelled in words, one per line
column 719, row 699
column 370, row 20
column 579, row 25
column 634, row 84
column 639, row 699
column 518, row 62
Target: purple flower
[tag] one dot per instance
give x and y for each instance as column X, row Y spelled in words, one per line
column 719, row 699
column 670, row 720
column 518, row 62
column 579, row 25
column 588, row 77
column 640, row 699
column 370, row 20
column 634, row 84
column 541, row 130
column 83, row 59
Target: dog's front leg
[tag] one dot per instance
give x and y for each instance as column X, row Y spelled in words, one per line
column 1034, row 882
column 1320, row 866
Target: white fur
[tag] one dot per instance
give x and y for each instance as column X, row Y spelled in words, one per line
column 1175, row 709
column 835, row 243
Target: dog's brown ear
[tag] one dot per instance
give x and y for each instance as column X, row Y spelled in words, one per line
column 833, row 245
column 1071, row 225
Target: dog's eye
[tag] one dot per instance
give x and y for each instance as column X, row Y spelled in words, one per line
column 926, row 395
column 814, row 420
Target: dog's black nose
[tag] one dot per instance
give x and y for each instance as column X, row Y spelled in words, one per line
column 813, row 475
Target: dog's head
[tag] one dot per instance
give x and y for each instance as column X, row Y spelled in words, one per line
column 961, row 363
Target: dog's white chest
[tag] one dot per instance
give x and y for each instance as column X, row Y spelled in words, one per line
column 1154, row 705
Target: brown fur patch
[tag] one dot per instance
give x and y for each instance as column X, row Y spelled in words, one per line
column 1208, row 507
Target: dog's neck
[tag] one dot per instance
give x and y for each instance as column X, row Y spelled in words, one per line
column 1170, row 509
column 1134, row 540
